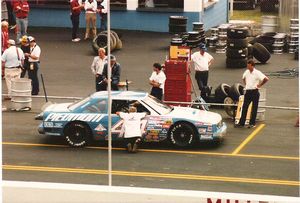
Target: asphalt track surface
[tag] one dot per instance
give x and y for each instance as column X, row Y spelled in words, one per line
column 264, row 160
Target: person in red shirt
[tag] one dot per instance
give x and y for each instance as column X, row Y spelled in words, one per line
column 75, row 7
column 21, row 9
column 4, row 40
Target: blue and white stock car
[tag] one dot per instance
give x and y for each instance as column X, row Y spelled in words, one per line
column 87, row 120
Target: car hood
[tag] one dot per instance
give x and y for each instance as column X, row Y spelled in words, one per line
column 58, row 107
column 196, row 115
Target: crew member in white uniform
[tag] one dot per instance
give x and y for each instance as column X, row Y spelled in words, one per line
column 253, row 79
column 201, row 61
column 157, row 80
column 132, row 127
column 12, row 60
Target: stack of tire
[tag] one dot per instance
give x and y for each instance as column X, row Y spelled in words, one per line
column 237, row 47
column 193, row 39
column 227, row 94
column 199, row 27
column 177, row 24
column 100, row 41
column 222, row 39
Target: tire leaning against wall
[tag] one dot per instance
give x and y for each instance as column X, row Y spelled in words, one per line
column 261, row 53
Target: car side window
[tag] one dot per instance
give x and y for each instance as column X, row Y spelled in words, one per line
column 99, row 106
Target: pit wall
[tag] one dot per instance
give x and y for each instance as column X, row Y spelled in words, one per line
column 131, row 18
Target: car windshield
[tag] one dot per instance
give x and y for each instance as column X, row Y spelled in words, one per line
column 157, row 105
column 77, row 104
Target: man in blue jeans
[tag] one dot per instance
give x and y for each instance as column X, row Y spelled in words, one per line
column 21, row 9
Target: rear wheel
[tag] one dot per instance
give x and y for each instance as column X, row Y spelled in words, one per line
column 182, row 135
column 77, row 134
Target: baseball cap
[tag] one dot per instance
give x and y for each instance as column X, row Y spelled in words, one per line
column 31, row 39
column 24, row 39
column 11, row 42
column 113, row 58
column 202, row 46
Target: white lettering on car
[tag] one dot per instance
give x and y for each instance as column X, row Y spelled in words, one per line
column 54, row 117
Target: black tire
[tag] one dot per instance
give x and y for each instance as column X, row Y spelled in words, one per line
column 237, row 32
column 261, row 53
column 237, row 53
column 100, row 41
column 237, row 43
column 182, row 135
column 178, row 20
column 235, row 91
column 250, row 50
column 113, row 40
column 221, row 92
column 77, row 134
column 173, row 28
column 236, row 63
column 230, row 110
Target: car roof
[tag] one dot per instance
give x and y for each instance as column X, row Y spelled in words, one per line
column 121, row 95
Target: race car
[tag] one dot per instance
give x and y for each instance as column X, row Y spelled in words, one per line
column 86, row 120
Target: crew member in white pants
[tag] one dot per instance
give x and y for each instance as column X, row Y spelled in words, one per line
column 12, row 60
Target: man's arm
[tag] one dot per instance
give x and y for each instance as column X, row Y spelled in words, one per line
column 266, row 79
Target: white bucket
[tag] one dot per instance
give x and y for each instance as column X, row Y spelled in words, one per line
column 21, row 93
column 269, row 24
column 262, row 102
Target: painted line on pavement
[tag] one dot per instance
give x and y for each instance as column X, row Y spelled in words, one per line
column 163, row 151
column 248, row 139
column 153, row 175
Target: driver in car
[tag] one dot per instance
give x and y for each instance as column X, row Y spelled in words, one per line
column 132, row 127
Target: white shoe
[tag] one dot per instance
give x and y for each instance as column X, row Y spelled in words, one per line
column 76, row 40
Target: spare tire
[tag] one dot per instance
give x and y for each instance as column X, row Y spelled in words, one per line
column 237, row 53
column 235, row 91
column 236, row 63
column 261, row 53
column 100, row 41
column 237, row 43
column 238, row 32
column 221, row 92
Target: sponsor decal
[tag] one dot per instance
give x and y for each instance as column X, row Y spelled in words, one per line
column 58, row 125
column 100, row 128
column 54, row 117
column 164, row 131
column 48, row 124
column 166, row 126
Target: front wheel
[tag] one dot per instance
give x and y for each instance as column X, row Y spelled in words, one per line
column 76, row 134
column 182, row 135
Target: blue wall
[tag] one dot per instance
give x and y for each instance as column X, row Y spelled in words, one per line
column 131, row 20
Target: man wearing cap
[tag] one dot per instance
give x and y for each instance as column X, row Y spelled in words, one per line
column 12, row 60
column 21, row 9
column 34, row 64
column 201, row 61
column 115, row 73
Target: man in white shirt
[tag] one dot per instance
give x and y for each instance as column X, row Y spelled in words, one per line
column 97, row 69
column 12, row 60
column 132, row 127
column 34, row 64
column 90, row 7
column 201, row 61
column 157, row 80
column 253, row 79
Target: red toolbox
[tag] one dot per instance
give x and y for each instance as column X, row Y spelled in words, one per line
column 178, row 82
